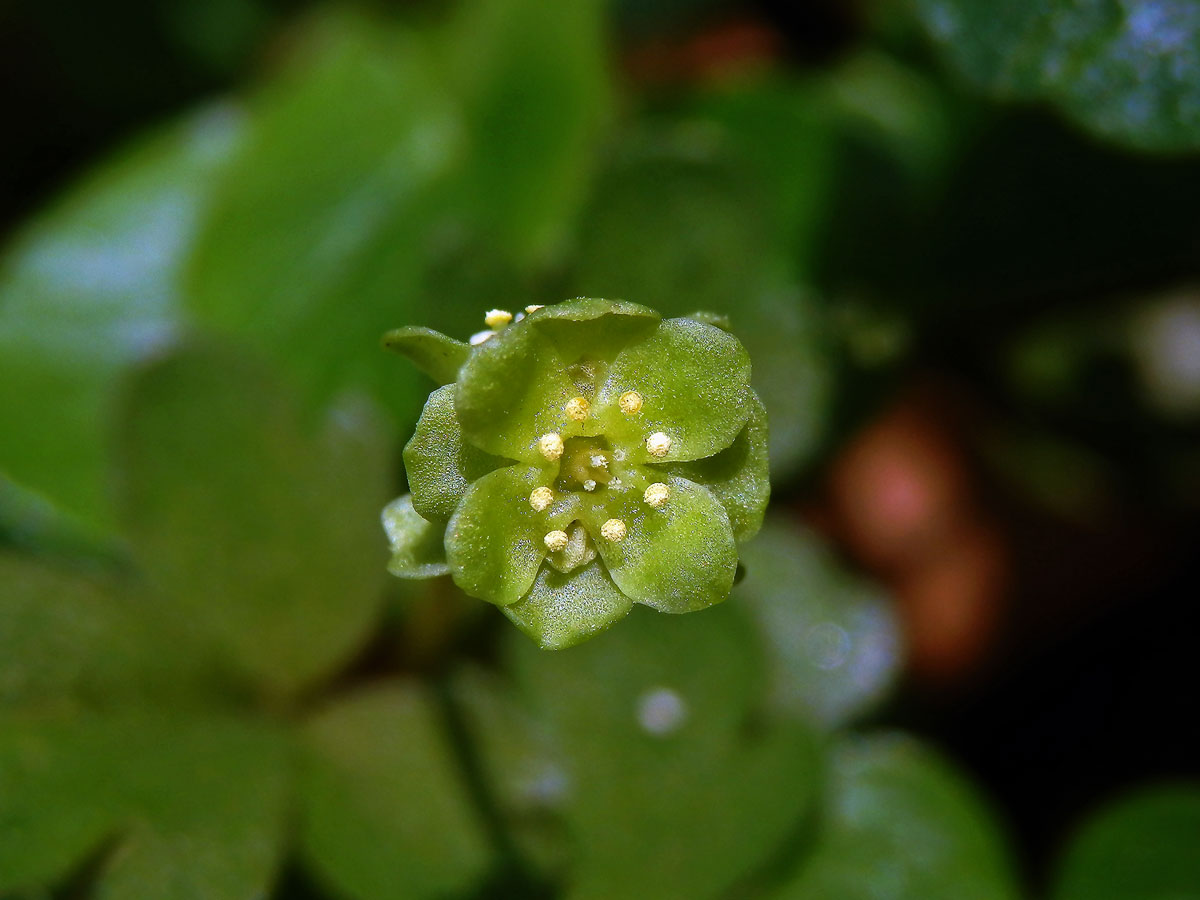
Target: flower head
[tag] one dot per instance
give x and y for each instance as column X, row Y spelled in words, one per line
column 587, row 456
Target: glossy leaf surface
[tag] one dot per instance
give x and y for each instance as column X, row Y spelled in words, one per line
column 899, row 822
column 1128, row 71
column 90, row 289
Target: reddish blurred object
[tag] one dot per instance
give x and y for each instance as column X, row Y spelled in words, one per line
column 730, row 49
column 902, row 500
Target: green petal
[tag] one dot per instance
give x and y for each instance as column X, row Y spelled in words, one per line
column 694, row 380
column 561, row 611
column 439, row 460
column 434, row 353
column 495, row 539
column 678, row 558
column 593, row 327
column 511, row 391
column 417, row 545
column 737, row 476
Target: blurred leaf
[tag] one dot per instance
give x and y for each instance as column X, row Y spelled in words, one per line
column 261, row 535
column 313, row 250
column 725, row 259
column 833, row 641
column 89, row 288
column 64, row 636
column 183, row 807
column 1142, row 847
column 667, row 794
column 1128, row 70
column 535, row 81
column 384, row 812
column 899, row 823
column 781, row 131
column 520, row 764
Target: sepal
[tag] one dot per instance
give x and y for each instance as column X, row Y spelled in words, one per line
column 437, row 355
column 417, row 545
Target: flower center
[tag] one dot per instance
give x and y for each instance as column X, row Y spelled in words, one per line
column 585, row 464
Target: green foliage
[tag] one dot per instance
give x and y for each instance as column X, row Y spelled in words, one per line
column 1141, row 846
column 833, row 641
column 213, row 447
column 90, row 289
column 1127, row 71
column 898, row 822
column 641, row 414
column 384, row 813
column 206, row 679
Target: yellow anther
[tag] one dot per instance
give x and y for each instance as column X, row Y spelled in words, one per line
column 550, row 445
column 614, row 530
column 578, row 409
column 658, row 444
column 532, row 308
column 497, row 318
column 656, row 495
column 541, row 498
column 630, row 403
column 556, row 540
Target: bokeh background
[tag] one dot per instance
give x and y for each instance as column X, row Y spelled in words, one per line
column 961, row 241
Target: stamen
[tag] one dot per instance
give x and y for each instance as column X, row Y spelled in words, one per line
column 658, row 444
column 630, row 403
column 497, row 318
column 656, row 495
column 614, row 530
column 541, row 498
column 479, row 337
column 533, row 307
column 578, row 409
column 550, row 445
column 556, row 540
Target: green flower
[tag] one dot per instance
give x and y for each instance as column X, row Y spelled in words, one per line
column 580, row 458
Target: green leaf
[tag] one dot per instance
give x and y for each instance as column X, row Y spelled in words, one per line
column 562, row 610
column 65, row 635
column 512, row 390
column 834, row 647
column 314, row 247
column 728, row 260
column 384, row 812
column 678, row 558
column 664, row 791
column 1142, row 846
column 520, row 764
column 192, row 805
column 418, row 548
column 738, row 476
column 898, row 822
column 441, row 463
column 495, row 541
column 694, row 380
column 1129, row 72
column 261, row 534
column 90, row 288
column 435, row 354
column 535, row 82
